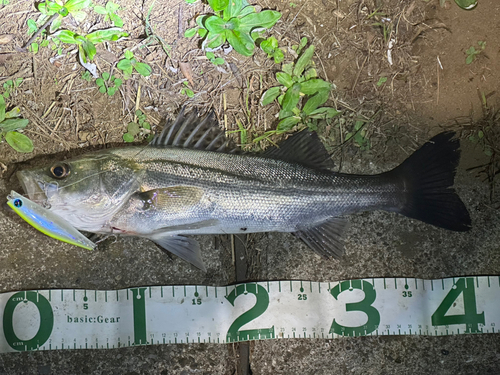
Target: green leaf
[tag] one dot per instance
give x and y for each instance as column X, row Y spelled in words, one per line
column 112, row 7
column 89, row 49
column 19, row 142
column 314, row 85
column 2, row 108
column 34, row 48
column 287, row 68
column 200, row 20
column 66, row 36
column 146, row 125
column 265, row 19
column 246, row 11
column 100, row 10
column 56, row 24
column 127, row 137
column 466, row 4
column 99, row 82
column 315, row 101
column 214, row 40
column 202, row 32
column 215, row 25
column 105, row 76
column 300, row 47
column 210, row 55
column 111, row 34
column 13, row 124
column 111, row 91
column 32, row 27
column 117, row 21
column 285, row 79
column 190, row 32
column 118, row 82
column 270, row 95
column 124, row 64
column 287, row 123
column 133, row 128
column 218, row 61
column 13, row 113
column 303, row 61
column 381, row 81
column 73, row 5
column 324, row 112
column 102, row 89
column 278, row 56
column 232, row 9
column 290, row 101
column 79, row 16
column 143, row 69
column 310, row 73
column 470, row 59
column 241, row 42
column 218, row 5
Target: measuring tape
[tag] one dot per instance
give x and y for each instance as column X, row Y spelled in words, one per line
column 95, row 319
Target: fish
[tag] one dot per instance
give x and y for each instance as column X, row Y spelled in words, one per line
column 47, row 221
column 191, row 181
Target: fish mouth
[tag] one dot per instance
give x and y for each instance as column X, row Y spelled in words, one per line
column 31, row 186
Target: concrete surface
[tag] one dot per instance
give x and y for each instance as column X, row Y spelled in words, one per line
column 377, row 244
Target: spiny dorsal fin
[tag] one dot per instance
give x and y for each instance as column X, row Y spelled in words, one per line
column 191, row 131
column 304, row 148
column 326, row 238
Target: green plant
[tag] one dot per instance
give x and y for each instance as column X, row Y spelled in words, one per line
column 381, row 81
column 86, row 43
column 214, row 60
column 9, row 124
column 477, row 137
column 270, row 46
column 110, row 13
column 186, row 90
column 129, row 63
column 472, row 52
column 140, row 128
column 300, row 95
column 466, row 4
column 10, row 85
column 73, row 7
column 243, row 133
column 236, row 22
column 108, row 84
column 358, row 135
column 86, row 76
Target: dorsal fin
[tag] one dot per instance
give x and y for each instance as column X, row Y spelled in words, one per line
column 304, row 148
column 191, row 131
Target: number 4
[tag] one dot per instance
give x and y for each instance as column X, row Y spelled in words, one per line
column 470, row 317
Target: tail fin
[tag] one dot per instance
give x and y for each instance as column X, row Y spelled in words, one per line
column 428, row 176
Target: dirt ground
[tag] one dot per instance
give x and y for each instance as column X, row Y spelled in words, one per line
column 400, row 65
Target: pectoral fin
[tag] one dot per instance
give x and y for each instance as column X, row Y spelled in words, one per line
column 326, row 238
column 172, row 198
column 185, row 248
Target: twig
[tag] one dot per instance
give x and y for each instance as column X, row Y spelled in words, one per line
column 357, row 76
column 39, row 31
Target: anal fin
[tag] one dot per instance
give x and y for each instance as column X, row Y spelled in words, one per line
column 185, row 248
column 325, row 239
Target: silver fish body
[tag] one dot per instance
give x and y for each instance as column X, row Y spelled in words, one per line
column 172, row 188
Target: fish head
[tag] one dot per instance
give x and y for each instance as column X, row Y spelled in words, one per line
column 86, row 191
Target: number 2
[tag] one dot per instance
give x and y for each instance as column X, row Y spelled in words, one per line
column 261, row 305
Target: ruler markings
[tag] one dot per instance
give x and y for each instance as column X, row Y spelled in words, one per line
column 253, row 312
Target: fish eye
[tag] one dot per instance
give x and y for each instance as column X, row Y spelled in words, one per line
column 60, row 170
column 18, row 203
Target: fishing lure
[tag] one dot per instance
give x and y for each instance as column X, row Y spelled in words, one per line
column 47, row 222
